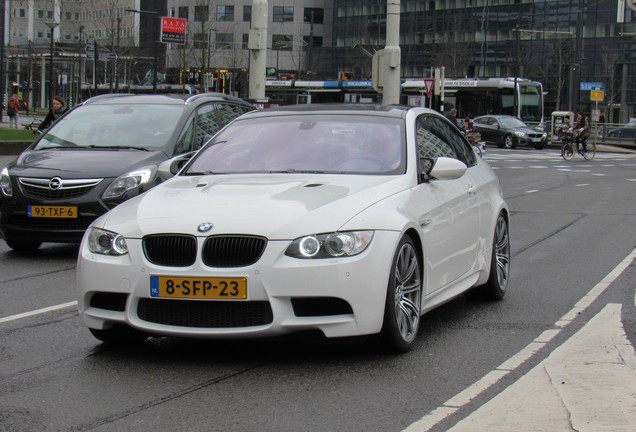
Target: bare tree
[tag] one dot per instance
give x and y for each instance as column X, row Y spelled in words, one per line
column 452, row 52
column 611, row 59
column 558, row 60
column 109, row 26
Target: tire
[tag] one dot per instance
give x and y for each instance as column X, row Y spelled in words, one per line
column 495, row 286
column 509, row 142
column 567, row 151
column 23, row 246
column 591, row 151
column 404, row 299
column 119, row 335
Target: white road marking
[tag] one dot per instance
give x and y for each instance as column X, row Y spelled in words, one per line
column 458, row 401
column 38, row 312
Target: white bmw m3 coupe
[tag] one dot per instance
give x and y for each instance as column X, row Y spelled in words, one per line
column 346, row 219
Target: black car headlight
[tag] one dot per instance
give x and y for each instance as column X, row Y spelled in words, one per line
column 105, row 242
column 5, row 182
column 330, row 245
column 129, row 181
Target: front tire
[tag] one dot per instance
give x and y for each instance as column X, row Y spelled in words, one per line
column 510, row 142
column 404, row 299
column 567, row 151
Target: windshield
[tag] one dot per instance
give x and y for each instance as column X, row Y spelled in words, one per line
column 346, row 144
column 511, row 122
column 140, row 126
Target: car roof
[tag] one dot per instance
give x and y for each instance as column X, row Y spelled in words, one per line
column 163, row 99
column 396, row 111
column 497, row 116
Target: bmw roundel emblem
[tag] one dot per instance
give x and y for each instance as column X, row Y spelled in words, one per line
column 205, row 227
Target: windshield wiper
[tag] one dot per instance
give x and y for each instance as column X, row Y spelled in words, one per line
column 119, row 147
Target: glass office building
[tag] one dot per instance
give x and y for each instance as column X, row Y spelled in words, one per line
column 561, row 43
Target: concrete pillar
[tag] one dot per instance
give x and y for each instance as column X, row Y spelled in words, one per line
column 257, row 44
column 392, row 85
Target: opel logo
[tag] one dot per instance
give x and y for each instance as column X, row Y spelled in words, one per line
column 205, row 227
column 55, row 183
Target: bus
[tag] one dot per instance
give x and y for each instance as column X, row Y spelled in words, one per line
column 288, row 92
column 476, row 97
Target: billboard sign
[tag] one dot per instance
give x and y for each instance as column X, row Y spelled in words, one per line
column 173, row 30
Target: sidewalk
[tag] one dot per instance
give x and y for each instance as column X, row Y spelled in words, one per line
column 588, row 384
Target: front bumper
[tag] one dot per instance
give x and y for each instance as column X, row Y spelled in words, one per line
column 338, row 296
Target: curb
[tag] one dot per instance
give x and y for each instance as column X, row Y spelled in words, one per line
column 13, row 148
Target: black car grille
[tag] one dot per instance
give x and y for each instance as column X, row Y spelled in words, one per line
column 56, row 189
column 50, row 224
column 171, row 250
column 232, row 251
column 205, row 314
column 180, row 250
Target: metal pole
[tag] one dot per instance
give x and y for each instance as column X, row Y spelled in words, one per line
column 154, row 76
column 2, row 82
column 117, row 56
column 51, row 88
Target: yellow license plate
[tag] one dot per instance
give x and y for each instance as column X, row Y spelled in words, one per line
column 198, row 287
column 52, row 211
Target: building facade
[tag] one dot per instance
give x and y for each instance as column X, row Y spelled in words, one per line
column 216, row 55
column 561, row 43
column 41, row 33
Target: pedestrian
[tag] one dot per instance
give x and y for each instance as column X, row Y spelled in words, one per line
column 13, row 107
column 468, row 125
column 58, row 107
column 601, row 121
column 452, row 116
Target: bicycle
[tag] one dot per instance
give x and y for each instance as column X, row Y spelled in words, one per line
column 571, row 147
column 33, row 127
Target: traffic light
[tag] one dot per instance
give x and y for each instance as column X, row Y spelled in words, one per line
column 286, row 77
column 344, row 76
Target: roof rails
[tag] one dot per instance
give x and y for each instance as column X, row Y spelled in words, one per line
column 104, row 96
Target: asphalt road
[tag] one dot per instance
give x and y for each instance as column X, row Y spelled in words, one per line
column 572, row 223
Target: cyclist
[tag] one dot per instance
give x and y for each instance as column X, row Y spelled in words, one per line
column 582, row 127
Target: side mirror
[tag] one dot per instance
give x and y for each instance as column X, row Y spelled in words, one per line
column 442, row 168
column 169, row 168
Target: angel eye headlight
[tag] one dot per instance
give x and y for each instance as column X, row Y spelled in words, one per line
column 105, row 242
column 330, row 245
column 309, row 246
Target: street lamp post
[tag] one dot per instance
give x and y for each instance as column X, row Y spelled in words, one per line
column 52, row 26
column 154, row 38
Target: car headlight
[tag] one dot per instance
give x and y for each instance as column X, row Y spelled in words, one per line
column 330, row 245
column 521, row 134
column 105, row 242
column 5, row 182
column 128, row 181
